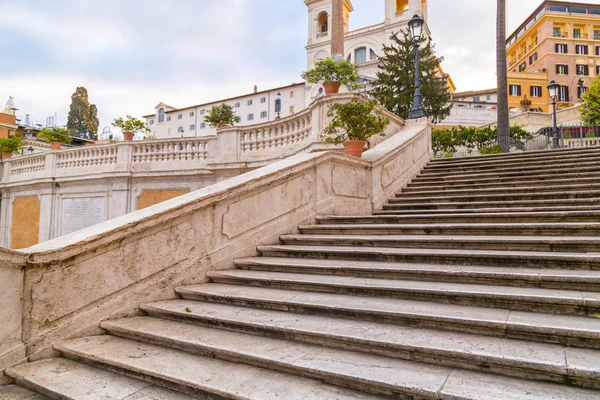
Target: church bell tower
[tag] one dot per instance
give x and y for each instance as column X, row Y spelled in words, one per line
column 401, row 10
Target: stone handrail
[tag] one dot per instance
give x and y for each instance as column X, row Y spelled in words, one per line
column 65, row 287
column 254, row 145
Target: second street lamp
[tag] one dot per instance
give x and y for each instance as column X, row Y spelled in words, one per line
column 416, row 31
column 553, row 93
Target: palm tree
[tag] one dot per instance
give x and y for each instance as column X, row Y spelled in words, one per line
column 501, row 72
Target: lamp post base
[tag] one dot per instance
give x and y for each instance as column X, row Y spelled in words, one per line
column 417, row 112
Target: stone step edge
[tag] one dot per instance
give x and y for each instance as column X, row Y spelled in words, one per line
column 538, row 259
column 517, row 162
column 555, row 333
column 476, row 295
column 474, row 191
column 515, row 167
column 481, row 362
column 517, row 277
column 531, row 153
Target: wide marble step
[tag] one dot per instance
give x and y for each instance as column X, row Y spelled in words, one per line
column 567, row 162
column 61, row 378
column 397, row 217
column 587, row 281
column 517, row 174
column 542, row 181
column 571, row 244
column 530, row 167
column 196, row 374
column 530, row 259
column 518, row 358
column 529, row 155
column 577, row 331
column 557, row 195
column 504, row 229
column 572, row 302
column 522, row 206
column 459, row 192
column 15, row 392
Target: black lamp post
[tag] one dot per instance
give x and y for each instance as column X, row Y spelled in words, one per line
column 278, row 105
column 30, row 149
column 416, row 30
column 553, row 92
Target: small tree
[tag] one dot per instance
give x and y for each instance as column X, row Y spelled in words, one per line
column 55, row 134
column 395, row 83
column 10, row 145
column 329, row 70
column 221, row 115
column 590, row 108
column 355, row 121
column 131, row 125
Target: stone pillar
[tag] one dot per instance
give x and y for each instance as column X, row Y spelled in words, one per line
column 337, row 29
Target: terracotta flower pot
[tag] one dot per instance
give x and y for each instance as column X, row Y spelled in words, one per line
column 223, row 126
column 354, row 147
column 55, row 146
column 6, row 156
column 128, row 136
column 331, row 87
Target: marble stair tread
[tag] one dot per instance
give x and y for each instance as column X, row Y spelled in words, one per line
column 67, row 379
column 507, row 195
column 545, row 217
column 512, row 189
column 565, row 158
column 526, row 167
column 15, row 392
column 581, row 242
column 410, row 287
column 483, row 225
column 564, row 329
column 513, row 357
column 416, row 185
column 536, row 276
column 373, row 373
column 200, row 374
column 501, row 174
column 530, row 258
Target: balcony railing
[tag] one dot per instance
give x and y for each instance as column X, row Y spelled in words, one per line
column 560, row 35
column 403, row 13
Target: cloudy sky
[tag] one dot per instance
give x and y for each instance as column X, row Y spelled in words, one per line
column 132, row 54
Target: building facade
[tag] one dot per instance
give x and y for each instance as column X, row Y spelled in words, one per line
column 8, row 125
column 560, row 41
column 254, row 108
column 363, row 47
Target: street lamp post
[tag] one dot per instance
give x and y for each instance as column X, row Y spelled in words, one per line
column 278, row 105
column 553, row 92
column 416, row 30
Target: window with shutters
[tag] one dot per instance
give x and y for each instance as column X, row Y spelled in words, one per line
column 563, row 93
column 515, row 90
column 581, row 49
column 581, row 91
column 583, row 70
column 562, row 69
column 536, row 91
column 562, row 48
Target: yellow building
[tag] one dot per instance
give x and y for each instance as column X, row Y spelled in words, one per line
column 560, row 41
column 8, row 125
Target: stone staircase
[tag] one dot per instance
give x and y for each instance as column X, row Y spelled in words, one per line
column 480, row 280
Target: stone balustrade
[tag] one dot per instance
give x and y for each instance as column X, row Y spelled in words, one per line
column 258, row 144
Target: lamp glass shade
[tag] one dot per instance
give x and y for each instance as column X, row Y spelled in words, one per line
column 553, row 90
column 416, row 27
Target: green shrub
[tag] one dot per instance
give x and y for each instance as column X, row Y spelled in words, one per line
column 10, row 145
column 355, row 121
column 221, row 115
column 329, row 70
column 131, row 125
column 494, row 149
column 55, row 134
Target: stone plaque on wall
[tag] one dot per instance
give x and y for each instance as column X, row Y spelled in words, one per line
column 81, row 212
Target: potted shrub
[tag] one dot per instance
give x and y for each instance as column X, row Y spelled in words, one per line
column 332, row 74
column 354, row 123
column 544, row 70
column 130, row 126
column 55, row 136
column 221, row 116
column 9, row 146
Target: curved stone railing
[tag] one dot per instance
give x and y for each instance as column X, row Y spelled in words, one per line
column 253, row 145
column 90, row 156
column 277, row 134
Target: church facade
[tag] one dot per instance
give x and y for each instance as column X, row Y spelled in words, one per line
column 362, row 47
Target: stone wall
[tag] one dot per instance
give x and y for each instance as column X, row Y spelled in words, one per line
column 72, row 283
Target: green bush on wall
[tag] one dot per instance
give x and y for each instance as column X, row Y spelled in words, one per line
column 10, row 145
